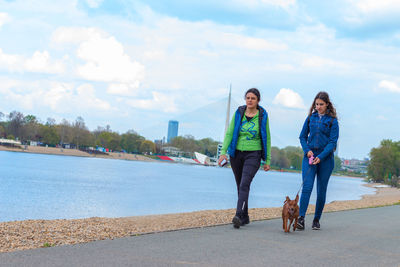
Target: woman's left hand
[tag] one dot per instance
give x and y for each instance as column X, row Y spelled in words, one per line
column 316, row 161
column 266, row 167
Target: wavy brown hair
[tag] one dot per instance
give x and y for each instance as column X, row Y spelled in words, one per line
column 330, row 109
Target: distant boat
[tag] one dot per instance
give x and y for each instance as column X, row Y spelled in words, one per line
column 202, row 159
column 199, row 159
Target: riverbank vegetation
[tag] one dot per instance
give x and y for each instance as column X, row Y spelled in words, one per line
column 291, row 158
column 76, row 134
column 384, row 166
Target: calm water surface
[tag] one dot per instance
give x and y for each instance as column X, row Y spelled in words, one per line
column 35, row 186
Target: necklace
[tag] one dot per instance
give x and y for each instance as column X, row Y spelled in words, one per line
column 251, row 114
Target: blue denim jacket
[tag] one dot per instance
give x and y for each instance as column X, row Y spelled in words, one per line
column 319, row 135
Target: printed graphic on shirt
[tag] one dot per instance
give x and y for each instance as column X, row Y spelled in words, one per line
column 248, row 127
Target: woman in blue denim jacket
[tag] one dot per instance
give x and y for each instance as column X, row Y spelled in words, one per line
column 318, row 139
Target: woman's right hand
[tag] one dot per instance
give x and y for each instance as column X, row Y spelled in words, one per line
column 310, row 154
column 221, row 158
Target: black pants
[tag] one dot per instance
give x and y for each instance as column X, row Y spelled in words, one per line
column 244, row 165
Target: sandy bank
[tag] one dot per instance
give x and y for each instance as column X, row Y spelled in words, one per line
column 74, row 152
column 30, row 234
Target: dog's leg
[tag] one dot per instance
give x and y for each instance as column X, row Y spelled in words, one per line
column 283, row 223
column 290, row 223
column 295, row 224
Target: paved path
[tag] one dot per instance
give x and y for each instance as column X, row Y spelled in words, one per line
column 366, row 237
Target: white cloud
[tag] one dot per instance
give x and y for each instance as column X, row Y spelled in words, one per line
column 373, row 6
column 65, row 97
column 86, row 94
column 106, row 60
column 361, row 11
column 94, row 3
column 321, row 62
column 57, row 96
column 41, row 62
column 160, row 101
column 289, row 98
column 154, row 55
column 258, row 3
column 10, row 62
column 389, row 86
column 252, row 43
column 382, row 118
column 123, row 89
column 4, row 18
column 76, row 35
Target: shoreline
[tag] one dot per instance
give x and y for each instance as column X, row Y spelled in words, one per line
column 30, row 234
column 75, row 153
column 111, row 155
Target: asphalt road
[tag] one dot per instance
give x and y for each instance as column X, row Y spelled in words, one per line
column 366, row 237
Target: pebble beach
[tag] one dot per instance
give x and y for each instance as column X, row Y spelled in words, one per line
column 30, row 234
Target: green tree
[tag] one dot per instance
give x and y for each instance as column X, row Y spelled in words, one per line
column 278, row 158
column 185, row 143
column 295, row 156
column 30, row 128
column 49, row 135
column 80, row 133
column 208, row 147
column 15, row 124
column 131, row 141
column 64, row 130
column 385, row 161
column 147, row 146
column 338, row 164
column 2, row 131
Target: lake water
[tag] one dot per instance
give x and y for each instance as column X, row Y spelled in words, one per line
column 36, row 186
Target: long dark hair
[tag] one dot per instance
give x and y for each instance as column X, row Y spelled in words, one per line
column 254, row 91
column 330, row 109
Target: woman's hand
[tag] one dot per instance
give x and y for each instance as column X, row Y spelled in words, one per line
column 221, row 158
column 266, row 167
column 316, row 161
column 310, row 154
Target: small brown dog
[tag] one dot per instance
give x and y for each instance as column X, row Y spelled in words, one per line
column 290, row 212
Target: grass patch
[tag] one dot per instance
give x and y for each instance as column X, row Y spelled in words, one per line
column 48, row 245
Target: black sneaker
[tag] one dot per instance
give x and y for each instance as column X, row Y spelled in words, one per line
column 315, row 225
column 237, row 222
column 300, row 223
column 246, row 220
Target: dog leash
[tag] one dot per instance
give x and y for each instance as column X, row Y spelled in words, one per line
column 308, row 172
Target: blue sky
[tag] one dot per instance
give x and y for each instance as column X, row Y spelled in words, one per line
column 137, row 64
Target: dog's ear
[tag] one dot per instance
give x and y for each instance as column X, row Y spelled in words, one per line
column 287, row 198
column 297, row 198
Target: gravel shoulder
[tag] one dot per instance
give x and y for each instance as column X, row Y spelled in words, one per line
column 29, row 234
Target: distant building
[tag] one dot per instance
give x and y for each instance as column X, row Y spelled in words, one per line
column 355, row 165
column 159, row 145
column 170, row 150
column 172, row 130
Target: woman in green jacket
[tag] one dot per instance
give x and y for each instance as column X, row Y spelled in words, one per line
column 247, row 142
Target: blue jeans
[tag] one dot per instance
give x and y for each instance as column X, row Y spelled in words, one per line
column 323, row 170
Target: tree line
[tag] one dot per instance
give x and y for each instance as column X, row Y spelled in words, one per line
column 291, row 157
column 189, row 144
column 30, row 128
column 384, row 166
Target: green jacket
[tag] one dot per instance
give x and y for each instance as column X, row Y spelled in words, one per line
column 249, row 136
